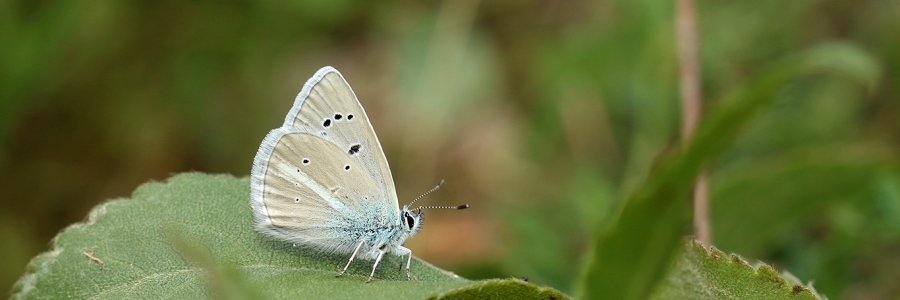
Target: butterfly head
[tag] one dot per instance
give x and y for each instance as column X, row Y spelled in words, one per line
column 412, row 218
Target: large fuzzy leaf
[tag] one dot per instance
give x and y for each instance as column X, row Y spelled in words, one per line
column 192, row 237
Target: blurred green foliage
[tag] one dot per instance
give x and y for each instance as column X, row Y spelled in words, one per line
column 631, row 255
column 542, row 115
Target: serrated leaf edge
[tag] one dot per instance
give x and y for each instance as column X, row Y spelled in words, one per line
column 500, row 282
column 763, row 271
column 38, row 265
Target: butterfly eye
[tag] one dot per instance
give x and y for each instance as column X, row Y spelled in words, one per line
column 409, row 220
column 338, row 116
column 350, row 117
column 327, row 123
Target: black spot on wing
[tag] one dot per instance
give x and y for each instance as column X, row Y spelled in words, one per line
column 353, row 149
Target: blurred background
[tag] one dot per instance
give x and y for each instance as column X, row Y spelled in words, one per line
column 542, row 115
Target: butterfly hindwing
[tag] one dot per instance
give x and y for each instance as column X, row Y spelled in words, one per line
column 304, row 196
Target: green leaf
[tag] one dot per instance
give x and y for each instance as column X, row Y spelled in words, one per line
column 631, row 256
column 701, row 274
column 192, row 237
column 502, row 289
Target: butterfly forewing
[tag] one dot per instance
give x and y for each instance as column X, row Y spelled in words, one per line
column 328, row 109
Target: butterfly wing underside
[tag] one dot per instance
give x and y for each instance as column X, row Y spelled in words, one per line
column 322, row 169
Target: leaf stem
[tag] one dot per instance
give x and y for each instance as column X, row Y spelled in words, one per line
column 691, row 105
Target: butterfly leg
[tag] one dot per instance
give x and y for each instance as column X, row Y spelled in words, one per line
column 408, row 260
column 378, row 259
column 351, row 259
column 405, row 251
column 401, row 251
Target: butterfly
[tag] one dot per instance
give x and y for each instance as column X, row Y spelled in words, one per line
column 322, row 180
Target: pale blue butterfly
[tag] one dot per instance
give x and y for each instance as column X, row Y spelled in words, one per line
column 322, row 180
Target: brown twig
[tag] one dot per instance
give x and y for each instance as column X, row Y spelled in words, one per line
column 92, row 259
column 691, row 104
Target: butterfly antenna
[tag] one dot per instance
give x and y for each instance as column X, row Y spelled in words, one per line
column 464, row 206
column 426, row 193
